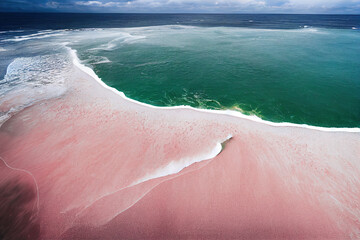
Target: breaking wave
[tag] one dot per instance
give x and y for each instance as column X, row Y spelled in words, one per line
column 32, row 79
column 38, row 35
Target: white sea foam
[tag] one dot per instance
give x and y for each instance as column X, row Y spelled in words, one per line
column 123, row 38
column 37, row 70
column 106, row 60
column 11, row 31
column 2, row 49
column 177, row 165
column 94, row 60
column 30, row 80
column 91, row 73
column 38, row 35
column 4, row 117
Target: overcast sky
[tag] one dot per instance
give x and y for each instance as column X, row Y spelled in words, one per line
column 185, row 6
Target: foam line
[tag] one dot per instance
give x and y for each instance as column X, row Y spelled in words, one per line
column 38, row 35
column 137, row 200
column 172, row 168
column 90, row 72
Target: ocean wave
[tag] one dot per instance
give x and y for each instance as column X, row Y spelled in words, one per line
column 11, row 31
column 94, row 60
column 105, row 60
column 124, row 38
column 30, row 80
column 36, row 70
column 38, row 35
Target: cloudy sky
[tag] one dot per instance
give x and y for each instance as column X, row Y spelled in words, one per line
column 185, row 6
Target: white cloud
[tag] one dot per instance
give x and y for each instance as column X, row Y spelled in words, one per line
column 52, row 4
column 89, row 3
column 98, row 4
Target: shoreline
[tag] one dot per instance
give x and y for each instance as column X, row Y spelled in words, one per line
column 232, row 113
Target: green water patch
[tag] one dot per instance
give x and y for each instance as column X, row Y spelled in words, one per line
column 306, row 76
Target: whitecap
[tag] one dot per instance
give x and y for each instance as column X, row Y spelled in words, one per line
column 11, row 31
column 38, row 35
column 105, row 60
column 113, row 44
column 32, row 79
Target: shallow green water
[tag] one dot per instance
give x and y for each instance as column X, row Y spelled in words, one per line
column 307, row 76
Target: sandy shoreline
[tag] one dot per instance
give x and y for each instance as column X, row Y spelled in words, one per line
column 91, row 73
column 87, row 148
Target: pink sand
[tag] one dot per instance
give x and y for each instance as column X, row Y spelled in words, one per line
column 96, row 157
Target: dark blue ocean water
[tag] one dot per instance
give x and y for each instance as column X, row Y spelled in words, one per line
column 39, row 21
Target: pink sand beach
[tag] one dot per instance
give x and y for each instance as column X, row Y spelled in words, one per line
column 97, row 165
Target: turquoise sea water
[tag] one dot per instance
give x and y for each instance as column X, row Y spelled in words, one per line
column 307, row 75
column 283, row 68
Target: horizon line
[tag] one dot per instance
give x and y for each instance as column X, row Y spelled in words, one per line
column 173, row 13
